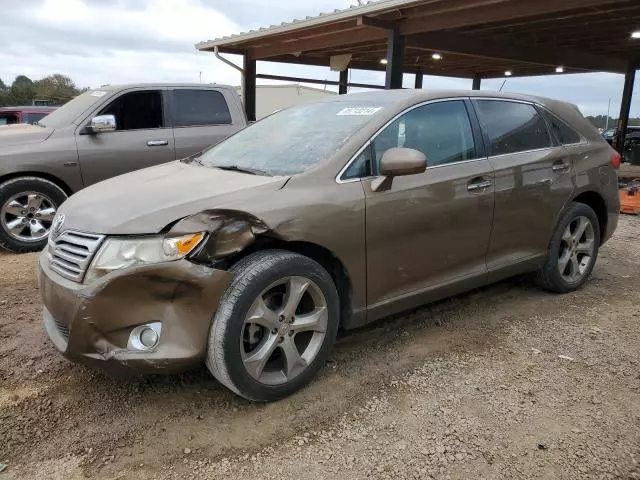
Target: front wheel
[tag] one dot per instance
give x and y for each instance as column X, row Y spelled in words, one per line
column 275, row 325
column 573, row 250
column 28, row 206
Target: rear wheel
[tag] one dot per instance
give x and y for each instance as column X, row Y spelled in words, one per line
column 573, row 250
column 275, row 325
column 27, row 208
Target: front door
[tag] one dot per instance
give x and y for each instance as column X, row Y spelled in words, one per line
column 141, row 139
column 429, row 232
column 533, row 180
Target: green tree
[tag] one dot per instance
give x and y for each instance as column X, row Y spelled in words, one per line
column 22, row 91
column 4, row 94
column 57, row 88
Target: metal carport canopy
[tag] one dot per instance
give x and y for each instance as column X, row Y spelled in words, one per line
column 475, row 39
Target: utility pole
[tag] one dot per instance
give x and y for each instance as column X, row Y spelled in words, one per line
column 607, row 120
column 200, row 77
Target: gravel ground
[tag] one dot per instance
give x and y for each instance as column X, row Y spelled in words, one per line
column 507, row 382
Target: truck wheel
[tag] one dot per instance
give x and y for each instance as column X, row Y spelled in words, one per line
column 275, row 325
column 27, row 208
column 573, row 250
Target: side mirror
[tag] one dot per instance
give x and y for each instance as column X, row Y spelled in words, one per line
column 396, row 162
column 103, row 123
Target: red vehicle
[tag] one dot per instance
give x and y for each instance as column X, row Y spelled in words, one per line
column 31, row 114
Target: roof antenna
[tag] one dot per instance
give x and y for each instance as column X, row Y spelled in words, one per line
column 503, row 84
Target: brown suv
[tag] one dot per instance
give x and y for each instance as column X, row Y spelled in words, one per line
column 330, row 215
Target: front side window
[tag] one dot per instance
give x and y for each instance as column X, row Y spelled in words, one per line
column 440, row 130
column 137, row 110
column 199, row 107
column 512, row 127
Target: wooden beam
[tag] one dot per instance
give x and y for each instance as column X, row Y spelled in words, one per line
column 249, row 88
column 395, row 59
column 467, row 14
column 625, row 108
column 344, row 79
column 315, row 81
column 543, row 55
column 475, row 85
column 375, row 23
column 358, row 35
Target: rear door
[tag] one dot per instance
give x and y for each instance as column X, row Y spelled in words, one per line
column 533, row 180
column 142, row 137
column 428, row 231
column 200, row 118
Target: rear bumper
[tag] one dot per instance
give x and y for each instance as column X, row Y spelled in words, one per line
column 91, row 324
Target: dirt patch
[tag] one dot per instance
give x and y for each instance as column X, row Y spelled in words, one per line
column 505, row 382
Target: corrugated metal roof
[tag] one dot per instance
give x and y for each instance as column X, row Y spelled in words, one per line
column 368, row 8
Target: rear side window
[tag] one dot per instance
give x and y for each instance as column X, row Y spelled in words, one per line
column 512, row 127
column 192, row 108
column 563, row 132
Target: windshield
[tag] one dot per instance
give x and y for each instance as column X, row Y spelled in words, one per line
column 70, row 111
column 292, row 140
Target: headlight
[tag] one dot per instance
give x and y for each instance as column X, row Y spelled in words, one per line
column 123, row 252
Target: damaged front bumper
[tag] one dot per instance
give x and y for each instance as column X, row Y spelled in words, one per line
column 93, row 324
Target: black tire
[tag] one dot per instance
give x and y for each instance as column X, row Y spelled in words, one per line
column 251, row 276
column 15, row 186
column 549, row 276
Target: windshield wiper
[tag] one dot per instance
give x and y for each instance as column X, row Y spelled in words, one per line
column 249, row 170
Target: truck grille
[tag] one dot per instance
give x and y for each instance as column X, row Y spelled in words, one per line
column 71, row 253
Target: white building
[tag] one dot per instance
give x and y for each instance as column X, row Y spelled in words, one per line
column 270, row 98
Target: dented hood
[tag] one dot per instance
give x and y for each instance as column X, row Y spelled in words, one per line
column 23, row 134
column 148, row 200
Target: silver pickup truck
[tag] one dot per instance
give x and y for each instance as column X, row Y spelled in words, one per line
column 100, row 134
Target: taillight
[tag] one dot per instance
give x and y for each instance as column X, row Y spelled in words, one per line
column 615, row 160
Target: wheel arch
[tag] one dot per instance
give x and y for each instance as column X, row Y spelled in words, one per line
column 330, row 262
column 45, row 176
column 596, row 202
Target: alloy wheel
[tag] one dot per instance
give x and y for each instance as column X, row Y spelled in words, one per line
column 28, row 216
column 284, row 330
column 577, row 248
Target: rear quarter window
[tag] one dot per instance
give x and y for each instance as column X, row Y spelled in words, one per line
column 564, row 134
column 196, row 107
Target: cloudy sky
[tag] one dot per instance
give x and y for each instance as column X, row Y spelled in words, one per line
column 99, row 42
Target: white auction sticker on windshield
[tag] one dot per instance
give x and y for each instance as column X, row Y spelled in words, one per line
column 364, row 111
column 98, row 93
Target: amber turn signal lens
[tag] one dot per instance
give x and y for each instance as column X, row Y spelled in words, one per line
column 185, row 244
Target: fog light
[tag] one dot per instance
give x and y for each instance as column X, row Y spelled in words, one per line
column 145, row 337
column 148, row 338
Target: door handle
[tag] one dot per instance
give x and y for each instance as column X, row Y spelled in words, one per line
column 560, row 167
column 156, row 143
column 472, row 187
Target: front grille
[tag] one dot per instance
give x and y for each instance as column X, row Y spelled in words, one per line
column 71, row 253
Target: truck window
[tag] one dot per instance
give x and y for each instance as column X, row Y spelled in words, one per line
column 33, row 117
column 199, row 107
column 137, row 110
